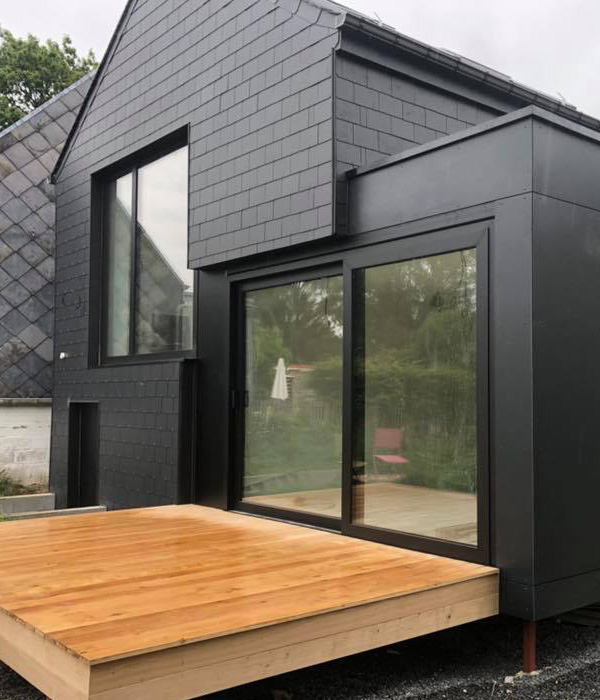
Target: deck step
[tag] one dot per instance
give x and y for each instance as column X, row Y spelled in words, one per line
column 56, row 513
column 28, row 503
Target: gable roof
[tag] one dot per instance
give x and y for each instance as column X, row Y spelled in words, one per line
column 447, row 60
column 108, row 54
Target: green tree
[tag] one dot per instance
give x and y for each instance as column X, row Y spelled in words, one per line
column 31, row 72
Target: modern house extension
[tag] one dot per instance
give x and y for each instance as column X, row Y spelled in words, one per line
column 311, row 270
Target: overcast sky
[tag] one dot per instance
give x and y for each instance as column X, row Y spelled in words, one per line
column 551, row 45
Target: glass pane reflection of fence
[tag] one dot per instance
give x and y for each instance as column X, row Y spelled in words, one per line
column 415, row 446
column 293, row 419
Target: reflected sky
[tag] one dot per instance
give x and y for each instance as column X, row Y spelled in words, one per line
column 163, row 208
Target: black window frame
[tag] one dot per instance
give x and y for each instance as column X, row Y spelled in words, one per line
column 460, row 237
column 99, row 268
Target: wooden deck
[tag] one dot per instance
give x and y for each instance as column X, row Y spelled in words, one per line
column 177, row 602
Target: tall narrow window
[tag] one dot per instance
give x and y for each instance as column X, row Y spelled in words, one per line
column 119, row 200
column 149, row 292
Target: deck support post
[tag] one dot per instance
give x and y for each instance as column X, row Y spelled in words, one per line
column 529, row 646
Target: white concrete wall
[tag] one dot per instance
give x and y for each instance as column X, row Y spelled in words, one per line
column 25, row 440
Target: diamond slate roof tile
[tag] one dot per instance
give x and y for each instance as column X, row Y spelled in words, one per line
column 34, row 225
column 32, row 336
column 15, row 237
column 5, row 251
column 46, row 350
column 16, row 266
column 49, row 158
column 17, row 183
column 15, row 293
column 32, row 253
column 5, row 279
column 36, row 172
column 56, row 109
column 14, row 377
column 35, row 198
column 5, row 222
column 29, row 150
column 46, row 294
column 5, row 195
column 18, row 155
column 48, row 215
column 6, row 167
column 46, row 269
column 5, row 307
column 46, row 323
column 36, row 143
column 14, row 321
column 16, row 210
column 47, row 240
column 32, row 281
column 32, row 309
column 54, row 133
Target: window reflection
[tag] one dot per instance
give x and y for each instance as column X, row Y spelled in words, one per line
column 165, row 286
column 415, row 449
column 119, row 196
column 293, row 418
column 161, row 288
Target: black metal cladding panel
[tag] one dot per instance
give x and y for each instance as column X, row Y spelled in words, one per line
column 567, row 164
column 566, row 342
column 253, row 79
column 28, row 151
column 511, row 401
column 491, row 165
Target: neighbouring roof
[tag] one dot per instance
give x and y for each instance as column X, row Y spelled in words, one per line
column 29, row 150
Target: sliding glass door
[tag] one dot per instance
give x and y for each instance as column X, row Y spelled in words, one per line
column 415, row 417
column 292, row 377
column 362, row 394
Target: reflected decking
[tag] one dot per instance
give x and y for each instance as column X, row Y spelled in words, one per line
column 177, row 602
column 446, row 515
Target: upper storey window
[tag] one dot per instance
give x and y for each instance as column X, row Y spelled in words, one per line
column 149, row 290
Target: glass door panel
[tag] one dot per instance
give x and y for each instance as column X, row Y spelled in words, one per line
column 414, row 464
column 292, row 454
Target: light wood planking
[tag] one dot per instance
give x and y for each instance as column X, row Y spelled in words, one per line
column 176, row 602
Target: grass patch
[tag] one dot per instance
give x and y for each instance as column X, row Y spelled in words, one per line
column 12, row 487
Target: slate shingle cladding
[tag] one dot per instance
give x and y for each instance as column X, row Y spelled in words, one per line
column 28, row 152
column 254, row 81
column 380, row 112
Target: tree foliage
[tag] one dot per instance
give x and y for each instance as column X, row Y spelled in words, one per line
column 32, row 72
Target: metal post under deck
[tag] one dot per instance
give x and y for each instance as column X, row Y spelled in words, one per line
column 529, row 646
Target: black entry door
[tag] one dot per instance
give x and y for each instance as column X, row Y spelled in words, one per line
column 83, row 455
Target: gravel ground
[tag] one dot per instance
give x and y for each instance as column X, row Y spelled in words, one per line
column 468, row 662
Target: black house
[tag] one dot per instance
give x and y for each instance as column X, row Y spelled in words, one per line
column 312, row 269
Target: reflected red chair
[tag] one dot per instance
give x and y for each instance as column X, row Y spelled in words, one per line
column 387, row 448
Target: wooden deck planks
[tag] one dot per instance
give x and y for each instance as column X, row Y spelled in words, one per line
column 147, row 588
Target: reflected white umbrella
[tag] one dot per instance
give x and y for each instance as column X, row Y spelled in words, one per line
column 280, row 389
